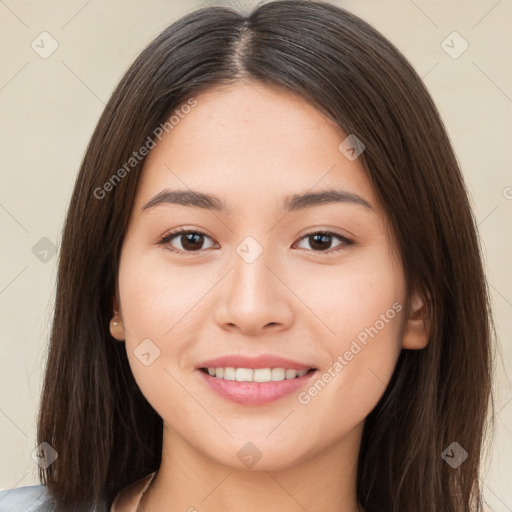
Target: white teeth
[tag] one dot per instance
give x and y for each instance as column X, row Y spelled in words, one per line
column 229, row 373
column 256, row 375
column 262, row 375
column 290, row 374
column 244, row 374
column 278, row 373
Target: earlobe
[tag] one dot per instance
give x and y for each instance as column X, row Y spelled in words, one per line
column 116, row 323
column 417, row 326
column 116, row 327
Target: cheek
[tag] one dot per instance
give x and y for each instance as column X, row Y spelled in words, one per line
column 355, row 295
column 154, row 306
column 362, row 306
column 157, row 299
column 157, row 307
column 364, row 302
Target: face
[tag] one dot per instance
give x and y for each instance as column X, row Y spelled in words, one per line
column 263, row 276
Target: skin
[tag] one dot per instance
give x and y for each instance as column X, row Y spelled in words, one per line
column 252, row 145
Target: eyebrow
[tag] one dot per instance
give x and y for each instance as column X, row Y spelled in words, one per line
column 293, row 203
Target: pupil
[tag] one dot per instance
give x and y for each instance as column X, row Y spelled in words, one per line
column 321, row 237
column 194, row 237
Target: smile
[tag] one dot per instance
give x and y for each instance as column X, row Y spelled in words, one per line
column 240, row 385
column 255, row 374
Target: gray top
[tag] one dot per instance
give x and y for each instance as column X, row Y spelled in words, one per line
column 30, row 498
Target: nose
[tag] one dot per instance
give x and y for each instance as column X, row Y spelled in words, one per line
column 254, row 297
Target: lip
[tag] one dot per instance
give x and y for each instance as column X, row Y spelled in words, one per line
column 261, row 361
column 255, row 393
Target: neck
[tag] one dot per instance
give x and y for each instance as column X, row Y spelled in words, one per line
column 189, row 480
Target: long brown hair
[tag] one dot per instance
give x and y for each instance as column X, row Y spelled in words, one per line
column 92, row 412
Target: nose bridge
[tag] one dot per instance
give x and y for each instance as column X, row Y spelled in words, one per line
column 255, row 297
column 252, row 276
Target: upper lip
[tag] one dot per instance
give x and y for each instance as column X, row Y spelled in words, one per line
column 261, row 361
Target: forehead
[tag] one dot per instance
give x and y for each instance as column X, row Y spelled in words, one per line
column 246, row 142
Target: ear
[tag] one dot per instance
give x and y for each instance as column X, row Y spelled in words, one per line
column 116, row 323
column 417, row 324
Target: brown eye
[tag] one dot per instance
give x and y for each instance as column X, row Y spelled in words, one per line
column 192, row 241
column 187, row 240
column 321, row 241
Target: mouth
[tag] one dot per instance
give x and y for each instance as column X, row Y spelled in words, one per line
column 255, row 386
column 255, row 374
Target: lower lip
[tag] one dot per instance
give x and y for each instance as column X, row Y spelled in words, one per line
column 255, row 393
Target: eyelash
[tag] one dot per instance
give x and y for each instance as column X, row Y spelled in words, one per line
column 180, row 231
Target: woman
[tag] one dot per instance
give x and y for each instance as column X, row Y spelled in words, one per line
column 270, row 291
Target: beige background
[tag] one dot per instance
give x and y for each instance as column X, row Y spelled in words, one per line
column 49, row 108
